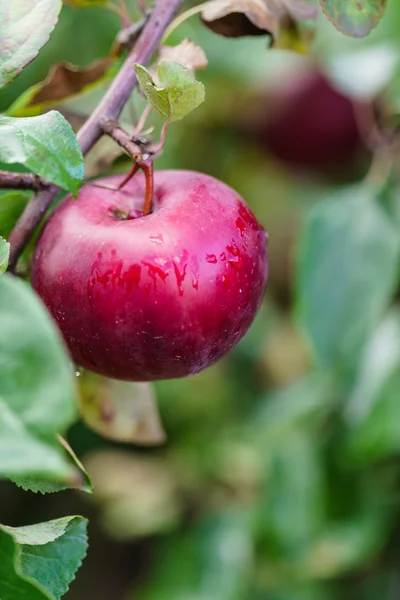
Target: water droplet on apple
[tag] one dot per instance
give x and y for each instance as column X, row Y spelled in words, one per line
column 180, row 270
column 241, row 226
column 236, row 259
column 157, row 239
column 211, row 258
column 154, row 271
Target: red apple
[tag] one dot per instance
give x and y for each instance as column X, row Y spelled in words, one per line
column 157, row 296
column 310, row 125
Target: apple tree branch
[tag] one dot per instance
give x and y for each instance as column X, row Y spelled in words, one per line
column 109, row 109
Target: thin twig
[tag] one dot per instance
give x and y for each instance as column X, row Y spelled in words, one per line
column 135, row 147
column 142, row 6
column 21, row 181
column 109, row 109
column 126, row 18
column 142, row 119
column 128, row 36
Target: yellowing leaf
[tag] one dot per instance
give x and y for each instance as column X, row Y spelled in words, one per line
column 120, row 410
column 63, row 82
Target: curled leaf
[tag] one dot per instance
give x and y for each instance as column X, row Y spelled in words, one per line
column 236, row 18
column 186, row 53
column 63, row 82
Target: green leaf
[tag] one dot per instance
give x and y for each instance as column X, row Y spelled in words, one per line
column 215, row 561
column 292, row 507
column 86, row 3
column 40, row 561
column 46, row 145
column 306, row 403
column 4, row 255
column 354, row 17
column 347, row 271
column 178, row 93
column 81, row 481
column 37, row 387
column 11, row 206
column 25, row 26
column 373, row 411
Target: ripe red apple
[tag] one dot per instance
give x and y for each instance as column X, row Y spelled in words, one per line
column 157, row 296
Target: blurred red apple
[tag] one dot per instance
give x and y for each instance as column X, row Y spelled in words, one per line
column 157, row 296
column 312, row 126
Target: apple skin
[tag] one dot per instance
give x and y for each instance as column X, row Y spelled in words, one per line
column 157, row 296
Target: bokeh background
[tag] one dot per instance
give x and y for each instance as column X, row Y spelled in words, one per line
column 271, row 486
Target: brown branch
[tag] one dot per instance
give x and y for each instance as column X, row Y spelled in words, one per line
column 137, row 148
column 109, row 109
column 21, row 181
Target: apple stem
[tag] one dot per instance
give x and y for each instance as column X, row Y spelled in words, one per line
column 131, row 173
column 148, row 170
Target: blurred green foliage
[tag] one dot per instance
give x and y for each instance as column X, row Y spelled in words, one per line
column 280, row 478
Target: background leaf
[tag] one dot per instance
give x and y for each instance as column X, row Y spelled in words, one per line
column 11, row 206
column 354, row 17
column 37, row 387
column 4, row 254
column 25, row 26
column 40, row 561
column 46, row 145
column 347, row 270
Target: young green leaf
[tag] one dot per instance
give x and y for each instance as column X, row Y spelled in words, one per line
column 40, row 561
column 25, row 26
column 37, row 388
column 347, row 272
column 4, row 254
column 177, row 94
column 354, row 17
column 46, row 145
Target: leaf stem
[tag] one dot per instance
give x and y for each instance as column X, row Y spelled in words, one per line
column 182, row 18
column 142, row 119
